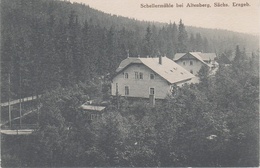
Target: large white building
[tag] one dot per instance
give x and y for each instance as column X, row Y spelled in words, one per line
column 143, row 77
column 193, row 61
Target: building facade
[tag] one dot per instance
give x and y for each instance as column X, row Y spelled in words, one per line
column 93, row 112
column 143, row 77
column 193, row 61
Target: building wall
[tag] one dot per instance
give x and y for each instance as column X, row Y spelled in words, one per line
column 195, row 67
column 93, row 115
column 140, row 87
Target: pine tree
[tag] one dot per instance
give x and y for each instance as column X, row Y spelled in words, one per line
column 37, row 54
column 169, row 52
column 198, row 43
column 206, row 45
column 61, row 43
column 182, row 38
column 111, row 50
column 7, row 67
column 85, row 71
column 192, row 43
column 162, row 43
column 148, row 46
column 238, row 55
column 203, row 75
column 174, row 38
column 50, row 61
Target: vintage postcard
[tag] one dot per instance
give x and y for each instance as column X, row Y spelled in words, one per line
column 130, row 83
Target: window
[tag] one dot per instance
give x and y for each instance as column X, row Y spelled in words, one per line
column 93, row 116
column 140, row 75
column 191, row 71
column 116, row 88
column 151, row 76
column 151, row 91
column 126, row 90
column 136, row 75
column 183, row 63
column 191, row 63
column 126, row 75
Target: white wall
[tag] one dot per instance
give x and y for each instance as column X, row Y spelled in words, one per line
column 140, row 87
column 195, row 67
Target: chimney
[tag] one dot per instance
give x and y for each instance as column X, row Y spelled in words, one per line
column 160, row 59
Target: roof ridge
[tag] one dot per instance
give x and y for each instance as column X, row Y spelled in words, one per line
column 168, row 70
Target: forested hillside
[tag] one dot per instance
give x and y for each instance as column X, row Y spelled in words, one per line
column 50, row 43
column 211, row 124
column 68, row 52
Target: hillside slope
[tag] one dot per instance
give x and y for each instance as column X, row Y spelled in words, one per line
column 48, row 43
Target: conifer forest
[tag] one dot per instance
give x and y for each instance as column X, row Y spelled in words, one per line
column 67, row 53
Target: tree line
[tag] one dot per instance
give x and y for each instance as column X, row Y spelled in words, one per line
column 48, row 44
column 213, row 123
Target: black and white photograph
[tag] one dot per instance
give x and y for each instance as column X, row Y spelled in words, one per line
column 129, row 83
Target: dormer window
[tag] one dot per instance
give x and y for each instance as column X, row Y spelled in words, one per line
column 183, row 63
column 191, row 62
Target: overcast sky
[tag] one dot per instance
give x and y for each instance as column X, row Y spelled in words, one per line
column 240, row 19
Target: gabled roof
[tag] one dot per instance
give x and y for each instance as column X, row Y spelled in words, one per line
column 169, row 70
column 208, row 56
column 178, row 56
column 200, row 56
